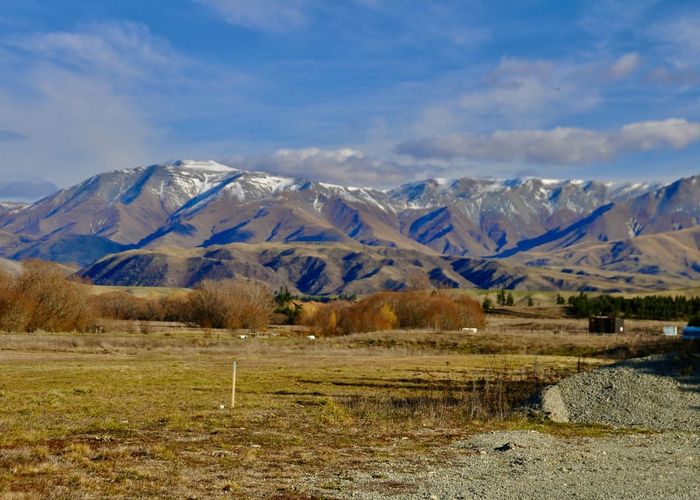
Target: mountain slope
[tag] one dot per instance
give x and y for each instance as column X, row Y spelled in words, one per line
column 10, row 266
column 349, row 268
column 668, row 208
column 123, row 206
column 669, row 254
column 483, row 217
column 190, row 204
column 139, row 216
column 308, row 268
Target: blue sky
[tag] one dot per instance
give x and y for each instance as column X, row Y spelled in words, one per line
column 372, row 92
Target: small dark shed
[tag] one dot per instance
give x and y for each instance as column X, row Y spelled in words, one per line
column 605, row 324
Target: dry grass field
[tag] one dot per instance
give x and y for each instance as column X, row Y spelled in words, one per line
column 544, row 299
column 139, row 414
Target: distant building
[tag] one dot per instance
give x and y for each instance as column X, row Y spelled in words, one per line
column 670, row 331
column 606, row 324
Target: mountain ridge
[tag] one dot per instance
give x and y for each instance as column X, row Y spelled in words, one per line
column 201, row 204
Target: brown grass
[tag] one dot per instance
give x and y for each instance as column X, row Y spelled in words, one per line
column 513, row 341
column 97, row 415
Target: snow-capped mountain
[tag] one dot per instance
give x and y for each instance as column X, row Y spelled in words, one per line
column 192, row 204
column 123, row 206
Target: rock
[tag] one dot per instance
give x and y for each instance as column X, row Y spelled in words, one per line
column 505, row 447
column 553, row 405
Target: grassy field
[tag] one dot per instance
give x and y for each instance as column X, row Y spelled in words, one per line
column 143, row 292
column 139, row 414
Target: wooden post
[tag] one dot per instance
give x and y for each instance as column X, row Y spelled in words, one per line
column 233, row 387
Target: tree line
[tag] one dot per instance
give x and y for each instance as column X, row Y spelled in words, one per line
column 656, row 307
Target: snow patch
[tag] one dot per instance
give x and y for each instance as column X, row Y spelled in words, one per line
column 550, row 182
column 208, row 165
column 270, row 183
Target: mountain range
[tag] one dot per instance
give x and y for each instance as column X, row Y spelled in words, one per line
column 177, row 223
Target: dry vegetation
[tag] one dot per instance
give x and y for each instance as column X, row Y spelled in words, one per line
column 249, row 305
column 138, row 414
column 391, row 310
column 230, row 304
column 42, row 298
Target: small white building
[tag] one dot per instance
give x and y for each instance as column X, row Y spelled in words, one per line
column 670, row 331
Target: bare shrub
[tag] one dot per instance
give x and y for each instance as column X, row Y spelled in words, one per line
column 124, row 306
column 13, row 314
column 175, row 308
column 324, row 317
column 390, row 310
column 231, row 304
column 43, row 298
column 118, row 305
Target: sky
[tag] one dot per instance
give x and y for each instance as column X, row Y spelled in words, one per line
column 359, row 92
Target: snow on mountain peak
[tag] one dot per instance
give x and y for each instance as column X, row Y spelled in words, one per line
column 208, row 165
column 256, row 185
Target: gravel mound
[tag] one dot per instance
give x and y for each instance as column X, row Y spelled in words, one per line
column 660, row 392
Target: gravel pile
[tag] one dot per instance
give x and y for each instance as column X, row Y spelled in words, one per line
column 660, row 392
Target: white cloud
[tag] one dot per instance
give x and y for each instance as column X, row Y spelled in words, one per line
column 644, row 136
column 123, row 50
column 607, row 18
column 74, row 127
column 688, row 77
column 262, row 15
column 560, row 145
column 681, row 40
column 518, row 92
column 516, row 86
column 343, row 166
column 69, row 96
column 102, row 98
column 625, row 65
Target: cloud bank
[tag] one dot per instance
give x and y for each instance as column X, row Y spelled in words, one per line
column 560, row 145
column 341, row 166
